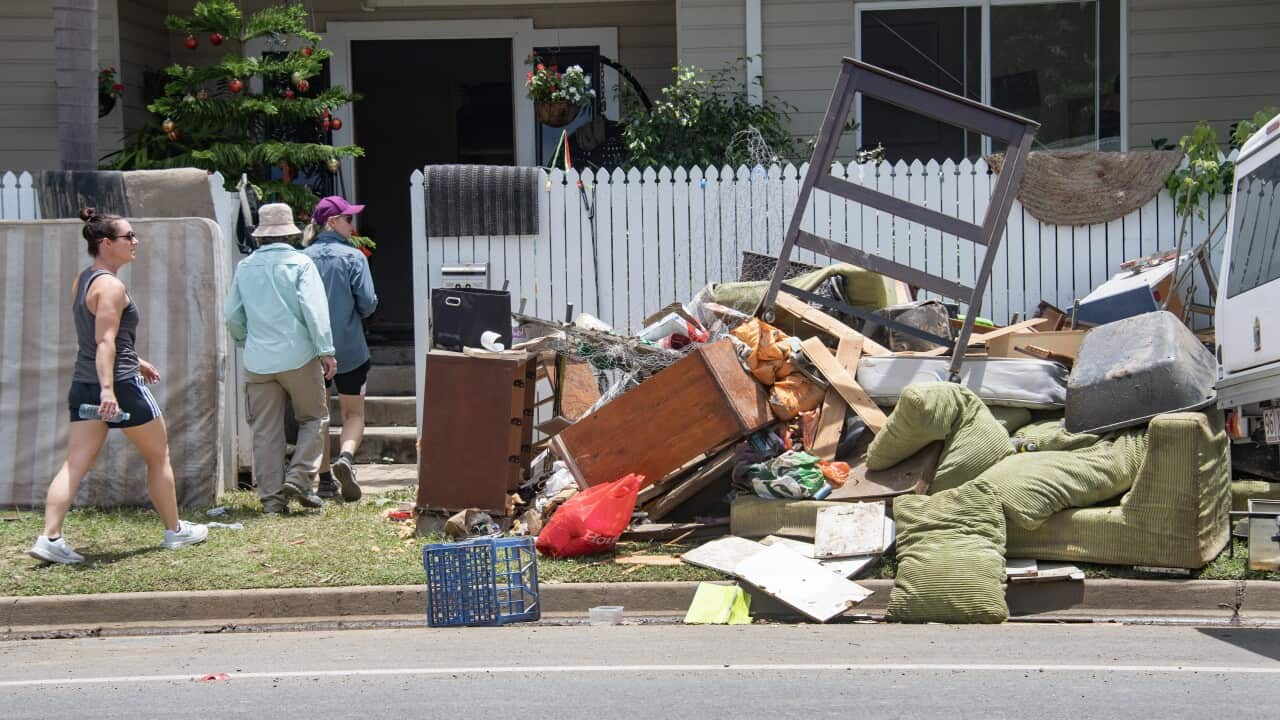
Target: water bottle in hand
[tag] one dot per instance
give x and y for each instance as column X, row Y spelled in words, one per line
column 90, row 412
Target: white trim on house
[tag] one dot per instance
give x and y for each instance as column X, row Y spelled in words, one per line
column 755, row 48
column 524, row 37
column 863, row 5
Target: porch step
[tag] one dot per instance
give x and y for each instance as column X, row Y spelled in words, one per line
column 380, row 411
column 376, row 478
column 381, row 444
column 391, row 354
column 394, row 380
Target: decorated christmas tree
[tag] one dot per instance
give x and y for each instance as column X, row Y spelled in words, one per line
column 278, row 132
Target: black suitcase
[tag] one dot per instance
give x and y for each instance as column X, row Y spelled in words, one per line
column 459, row 316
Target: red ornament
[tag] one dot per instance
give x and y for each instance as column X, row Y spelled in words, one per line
column 173, row 135
column 288, row 93
column 325, row 124
column 324, row 113
column 215, row 39
column 304, row 85
column 336, row 123
column 307, row 51
column 235, row 85
column 117, row 87
column 191, row 42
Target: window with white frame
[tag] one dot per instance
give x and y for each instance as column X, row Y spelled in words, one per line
column 1057, row 62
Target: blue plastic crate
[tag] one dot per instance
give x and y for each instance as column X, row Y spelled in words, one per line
column 487, row 581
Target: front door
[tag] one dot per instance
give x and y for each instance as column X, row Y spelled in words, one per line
column 424, row 102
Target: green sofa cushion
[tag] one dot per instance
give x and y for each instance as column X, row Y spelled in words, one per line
column 951, row 565
column 927, row 412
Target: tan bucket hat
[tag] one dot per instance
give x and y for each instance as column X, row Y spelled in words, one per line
column 275, row 220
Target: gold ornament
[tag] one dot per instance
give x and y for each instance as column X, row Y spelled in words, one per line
column 333, row 165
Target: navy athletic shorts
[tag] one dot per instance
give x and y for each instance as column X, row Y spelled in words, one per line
column 132, row 395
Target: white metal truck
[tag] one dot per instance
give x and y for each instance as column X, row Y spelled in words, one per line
column 1248, row 302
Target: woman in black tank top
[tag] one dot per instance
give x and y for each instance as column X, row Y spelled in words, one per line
column 110, row 374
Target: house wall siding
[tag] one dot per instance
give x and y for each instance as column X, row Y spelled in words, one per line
column 646, row 28
column 1192, row 60
column 28, row 94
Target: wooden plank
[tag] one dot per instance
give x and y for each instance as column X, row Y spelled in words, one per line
column 657, row 560
column 1065, row 343
column 658, row 532
column 831, row 420
column 823, row 322
column 913, row 475
column 845, row 384
column 848, row 530
column 801, row 583
column 717, row 468
column 1025, row 325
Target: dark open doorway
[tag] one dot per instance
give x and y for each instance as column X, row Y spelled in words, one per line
column 425, row 102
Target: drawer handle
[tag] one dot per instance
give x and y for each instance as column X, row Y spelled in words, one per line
column 452, row 301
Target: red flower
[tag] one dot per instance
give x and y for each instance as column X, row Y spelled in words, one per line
column 553, row 88
column 117, row 87
column 555, row 68
column 528, row 76
column 541, row 67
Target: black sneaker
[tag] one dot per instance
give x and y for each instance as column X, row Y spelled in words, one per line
column 327, row 488
column 306, row 499
column 345, row 474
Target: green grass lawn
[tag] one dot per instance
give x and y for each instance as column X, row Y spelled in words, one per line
column 343, row 544
column 340, row 545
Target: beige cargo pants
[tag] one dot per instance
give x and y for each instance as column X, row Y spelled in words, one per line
column 266, row 395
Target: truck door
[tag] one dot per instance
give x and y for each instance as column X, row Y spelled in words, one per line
column 1248, row 314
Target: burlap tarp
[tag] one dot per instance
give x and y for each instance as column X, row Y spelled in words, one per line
column 178, row 281
column 1087, row 188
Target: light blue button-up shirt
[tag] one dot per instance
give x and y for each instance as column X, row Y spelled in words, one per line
column 278, row 311
column 349, row 285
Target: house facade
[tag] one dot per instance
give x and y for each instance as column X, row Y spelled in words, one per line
column 442, row 80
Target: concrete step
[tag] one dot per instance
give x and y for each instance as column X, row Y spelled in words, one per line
column 390, row 380
column 391, row 354
column 380, row 411
column 381, row 444
column 376, row 479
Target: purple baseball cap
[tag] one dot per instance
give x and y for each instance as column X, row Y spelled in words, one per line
column 332, row 206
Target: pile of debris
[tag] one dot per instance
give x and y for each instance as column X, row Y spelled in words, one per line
column 819, row 441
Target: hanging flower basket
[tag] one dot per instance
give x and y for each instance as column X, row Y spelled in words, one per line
column 106, row 103
column 556, row 113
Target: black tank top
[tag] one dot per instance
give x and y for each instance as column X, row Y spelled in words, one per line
column 86, row 338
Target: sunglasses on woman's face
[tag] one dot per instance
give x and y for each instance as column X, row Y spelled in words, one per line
column 131, row 235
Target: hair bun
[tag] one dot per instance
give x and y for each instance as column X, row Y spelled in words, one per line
column 88, row 214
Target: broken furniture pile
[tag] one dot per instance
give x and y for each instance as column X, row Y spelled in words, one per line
column 833, row 416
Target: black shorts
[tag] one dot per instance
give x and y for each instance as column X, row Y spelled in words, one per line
column 351, row 382
column 131, row 394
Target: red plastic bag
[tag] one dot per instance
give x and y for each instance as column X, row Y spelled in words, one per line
column 590, row 522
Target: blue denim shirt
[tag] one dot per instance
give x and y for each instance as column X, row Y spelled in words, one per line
column 349, row 286
column 276, row 309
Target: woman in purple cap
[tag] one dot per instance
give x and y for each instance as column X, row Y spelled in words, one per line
column 349, row 287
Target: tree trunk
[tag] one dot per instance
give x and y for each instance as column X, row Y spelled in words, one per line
column 75, row 42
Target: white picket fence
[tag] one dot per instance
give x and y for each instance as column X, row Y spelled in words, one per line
column 662, row 235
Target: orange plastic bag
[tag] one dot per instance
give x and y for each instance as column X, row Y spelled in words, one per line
column 590, row 522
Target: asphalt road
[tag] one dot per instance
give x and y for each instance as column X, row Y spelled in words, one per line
column 655, row 671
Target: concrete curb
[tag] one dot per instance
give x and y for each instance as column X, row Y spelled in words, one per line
column 1098, row 599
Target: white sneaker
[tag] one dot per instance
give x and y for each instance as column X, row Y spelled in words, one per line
column 54, row 551
column 187, row 534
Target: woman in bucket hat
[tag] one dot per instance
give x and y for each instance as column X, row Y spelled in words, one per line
column 277, row 311
column 349, row 287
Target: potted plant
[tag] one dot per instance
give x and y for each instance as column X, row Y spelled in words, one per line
column 108, row 91
column 557, row 96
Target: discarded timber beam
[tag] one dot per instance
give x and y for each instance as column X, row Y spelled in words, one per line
column 823, row 322
column 845, row 384
column 831, row 420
